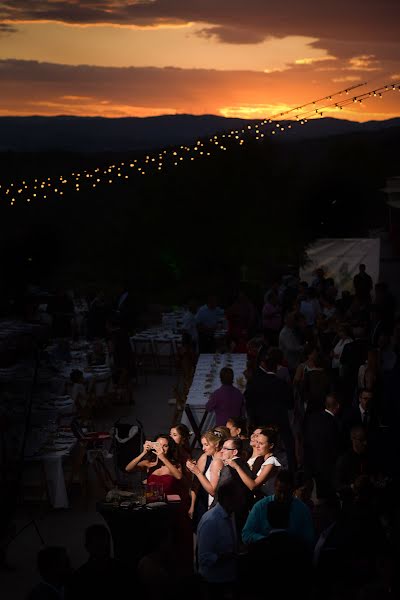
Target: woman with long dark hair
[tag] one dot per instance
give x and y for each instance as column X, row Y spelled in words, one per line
column 159, row 460
column 181, row 435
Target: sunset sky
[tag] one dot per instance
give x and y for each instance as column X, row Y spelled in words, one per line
column 240, row 58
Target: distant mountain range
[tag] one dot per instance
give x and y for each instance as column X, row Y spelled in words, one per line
column 97, row 134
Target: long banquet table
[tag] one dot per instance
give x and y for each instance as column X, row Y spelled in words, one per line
column 206, row 380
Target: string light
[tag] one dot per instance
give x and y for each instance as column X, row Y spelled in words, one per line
column 174, row 156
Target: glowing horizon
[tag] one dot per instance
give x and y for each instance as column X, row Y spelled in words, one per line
column 120, row 58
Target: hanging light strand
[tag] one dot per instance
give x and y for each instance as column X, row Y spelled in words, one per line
column 103, row 176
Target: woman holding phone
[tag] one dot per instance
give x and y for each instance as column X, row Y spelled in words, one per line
column 158, row 460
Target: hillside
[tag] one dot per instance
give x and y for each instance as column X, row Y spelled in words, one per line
column 96, row 134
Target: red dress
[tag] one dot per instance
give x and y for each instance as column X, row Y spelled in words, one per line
column 168, row 482
column 181, row 523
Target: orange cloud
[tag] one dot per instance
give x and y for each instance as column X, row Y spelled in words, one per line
column 30, row 87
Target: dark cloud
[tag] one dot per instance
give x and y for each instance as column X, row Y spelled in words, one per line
column 233, row 21
column 343, row 49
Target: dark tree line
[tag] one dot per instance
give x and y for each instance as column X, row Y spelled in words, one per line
column 178, row 231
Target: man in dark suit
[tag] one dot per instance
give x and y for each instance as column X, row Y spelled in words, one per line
column 363, row 284
column 362, row 414
column 268, row 400
column 352, row 464
column 322, row 446
column 241, row 496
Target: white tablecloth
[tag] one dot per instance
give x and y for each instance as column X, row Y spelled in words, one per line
column 53, row 464
column 206, row 380
column 147, row 340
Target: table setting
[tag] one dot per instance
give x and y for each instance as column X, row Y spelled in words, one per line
column 206, row 380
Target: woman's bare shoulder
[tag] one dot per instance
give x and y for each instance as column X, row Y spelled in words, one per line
column 201, row 463
column 217, row 463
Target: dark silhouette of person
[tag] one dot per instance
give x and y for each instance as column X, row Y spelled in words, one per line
column 101, row 576
column 322, row 445
column 54, row 568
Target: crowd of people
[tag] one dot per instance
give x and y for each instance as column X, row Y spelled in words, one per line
column 296, row 486
column 301, row 472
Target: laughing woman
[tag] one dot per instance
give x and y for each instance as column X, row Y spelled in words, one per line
column 264, row 480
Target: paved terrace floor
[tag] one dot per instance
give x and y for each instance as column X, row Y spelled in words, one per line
column 65, row 527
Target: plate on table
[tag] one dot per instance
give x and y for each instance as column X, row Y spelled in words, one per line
column 55, row 449
column 156, row 504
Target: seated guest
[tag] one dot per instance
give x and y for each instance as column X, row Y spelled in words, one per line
column 101, row 576
column 266, row 474
column 54, row 569
column 227, row 401
column 216, row 544
column 257, row 526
